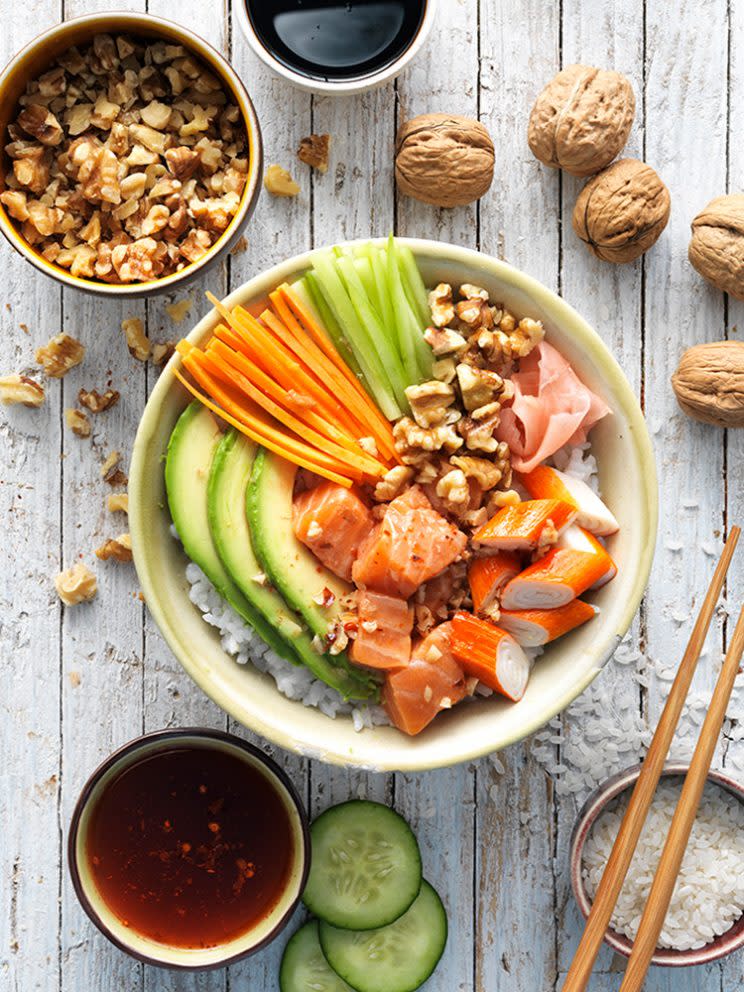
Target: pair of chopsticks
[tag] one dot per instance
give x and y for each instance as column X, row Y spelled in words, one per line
column 667, row 871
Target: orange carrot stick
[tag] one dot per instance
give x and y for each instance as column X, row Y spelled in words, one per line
column 255, row 434
column 488, row 576
column 490, row 654
column 521, row 527
column 533, row 628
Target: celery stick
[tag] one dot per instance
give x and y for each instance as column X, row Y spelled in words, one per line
column 378, row 263
column 409, row 329
column 309, row 287
column 414, row 283
column 337, row 298
column 364, row 268
column 380, row 336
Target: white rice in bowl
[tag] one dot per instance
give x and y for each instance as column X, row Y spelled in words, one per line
column 708, row 898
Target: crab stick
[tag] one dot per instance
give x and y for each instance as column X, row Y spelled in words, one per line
column 554, row 580
column 545, row 482
column 582, row 540
column 488, row 653
column 524, row 527
column 533, row 628
column 488, row 576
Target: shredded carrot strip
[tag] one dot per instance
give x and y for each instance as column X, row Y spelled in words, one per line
column 356, row 461
column 259, row 438
column 255, row 419
column 383, row 434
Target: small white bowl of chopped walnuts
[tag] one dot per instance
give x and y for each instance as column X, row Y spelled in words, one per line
column 130, row 157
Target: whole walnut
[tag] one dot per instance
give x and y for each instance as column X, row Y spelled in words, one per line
column 582, row 119
column 622, row 211
column 717, row 244
column 443, row 159
column 709, row 383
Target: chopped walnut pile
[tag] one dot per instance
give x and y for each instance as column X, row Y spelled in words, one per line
column 78, row 422
column 76, row 585
column 59, row 355
column 313, row 151
column 119, row 548
column 128, row 160
column 17, row 388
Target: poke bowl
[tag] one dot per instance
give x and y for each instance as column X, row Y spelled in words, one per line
column 344, row 733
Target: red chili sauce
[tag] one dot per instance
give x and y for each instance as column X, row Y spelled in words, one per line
column 190, row 847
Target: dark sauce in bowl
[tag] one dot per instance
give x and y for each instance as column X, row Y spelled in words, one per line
column 190, row 847
column 332, row 39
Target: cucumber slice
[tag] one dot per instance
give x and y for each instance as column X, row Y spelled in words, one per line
column 396, row 958
column 366, row 867
column 304, row 967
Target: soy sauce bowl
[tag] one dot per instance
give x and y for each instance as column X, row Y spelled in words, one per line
column 88, row 871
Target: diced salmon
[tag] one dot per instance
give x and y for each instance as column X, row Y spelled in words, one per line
column 384, row 633
column 332, row 521
column 411, row 544
column 432, row 682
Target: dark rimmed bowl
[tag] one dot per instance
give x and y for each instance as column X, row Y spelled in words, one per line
column 38, row 56
column 164, row 955
column 719, row 947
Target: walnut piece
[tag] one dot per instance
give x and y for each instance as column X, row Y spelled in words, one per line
column 393, row 483
column 621, row 212
column 582, row 119
column 709, row 383
column 60, row 354
column 444, row 159
column 76, row 585
column 117, row 503
column 478, row 386
column 717, row 244
column 279, row 182
column 137, row 341
column 40, row 123
column 486, row 473
column 430, row 402
column 17, row 388
column 179, row 310
column 416, row 444
column 313, row 151
column 453, row 488
column 119, row 548
column 444, row 341
column 110, row 465
column 78, row 422
column 162, row 352
column 98, row 402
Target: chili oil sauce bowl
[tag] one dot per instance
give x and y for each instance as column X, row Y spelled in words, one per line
column 189, row 849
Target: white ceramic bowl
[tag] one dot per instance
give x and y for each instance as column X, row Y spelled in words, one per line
column 336, row 87
column 627, row 478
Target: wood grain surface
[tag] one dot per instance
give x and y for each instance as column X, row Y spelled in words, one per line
column 77, row 683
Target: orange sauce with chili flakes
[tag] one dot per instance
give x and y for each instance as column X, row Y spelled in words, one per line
column 190, row 847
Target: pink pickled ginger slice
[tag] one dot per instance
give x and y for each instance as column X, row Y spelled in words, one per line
column 551, row 407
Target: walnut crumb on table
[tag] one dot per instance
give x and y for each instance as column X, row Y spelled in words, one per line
column 76, row 585
column 17, row 388
column 137, row 341
column 279, row 182
column 179, row 310
column 78, row 422
column 117, row 503
column 119, row 548
column 98, row 402
column 162, row 352
column 313, row 151
column 60, row 354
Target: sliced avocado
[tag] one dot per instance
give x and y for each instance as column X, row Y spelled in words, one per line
column 292, row 568
column 228, row 482
column 191, row 448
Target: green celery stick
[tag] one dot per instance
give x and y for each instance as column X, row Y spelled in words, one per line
column 414, row 283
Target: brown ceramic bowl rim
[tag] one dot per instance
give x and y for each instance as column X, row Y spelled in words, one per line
column 165, row 738
column 133, row 21
column 721, row 946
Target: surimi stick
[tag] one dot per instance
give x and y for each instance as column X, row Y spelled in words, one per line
column 554, row 580
column 545, row 482
column 521, row 527
column 488, row 576
column 581, row 540
column 489, row 654
column 533, row 628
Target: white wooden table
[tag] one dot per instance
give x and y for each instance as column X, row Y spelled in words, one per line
column 77, row 683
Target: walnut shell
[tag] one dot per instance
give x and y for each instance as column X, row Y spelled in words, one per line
column 709, row 383
column 717, row 244
column 582, row 119
column 443, row 159
column 622, row 211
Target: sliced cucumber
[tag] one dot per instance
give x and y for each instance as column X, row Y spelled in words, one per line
column 396, row 958
column 366, row 867
column 304, row 967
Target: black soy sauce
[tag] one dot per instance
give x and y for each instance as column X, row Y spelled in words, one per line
column 331, row 39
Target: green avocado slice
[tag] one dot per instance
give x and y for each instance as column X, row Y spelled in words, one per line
column 294, row 571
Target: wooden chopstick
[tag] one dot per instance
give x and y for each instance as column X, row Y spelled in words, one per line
column 670, row 862
column 640, row 800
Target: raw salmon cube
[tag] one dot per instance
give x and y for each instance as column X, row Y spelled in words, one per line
column 411, row 544
column 432, row 682
column 332, row 521
column 384, row 634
